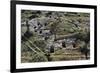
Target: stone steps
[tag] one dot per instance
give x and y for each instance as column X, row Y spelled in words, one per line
column 69, row 54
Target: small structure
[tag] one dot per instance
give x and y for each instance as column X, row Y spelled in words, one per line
column 51, row 49
column 63, row 44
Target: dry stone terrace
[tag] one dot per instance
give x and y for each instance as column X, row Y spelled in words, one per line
column 54, row 36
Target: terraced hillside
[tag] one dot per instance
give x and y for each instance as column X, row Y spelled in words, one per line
column 54, row 36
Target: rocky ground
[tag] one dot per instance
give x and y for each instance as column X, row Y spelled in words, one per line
column 54, row 36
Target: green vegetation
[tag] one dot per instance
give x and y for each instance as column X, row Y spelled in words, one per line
column 54, row 36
